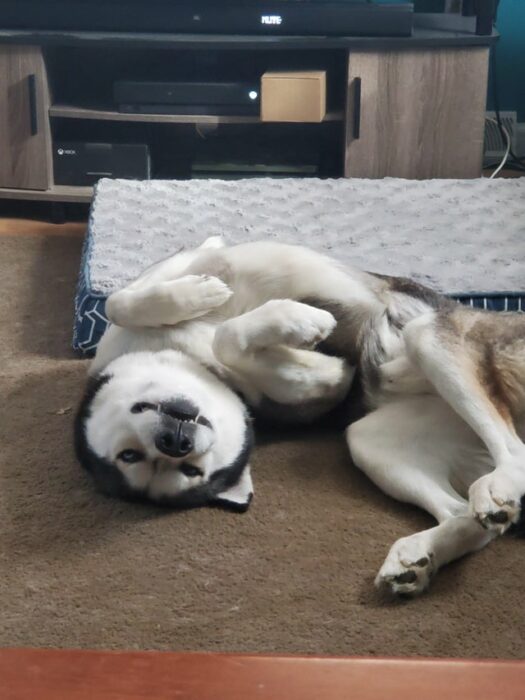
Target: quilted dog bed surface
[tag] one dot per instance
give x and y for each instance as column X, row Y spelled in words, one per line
column 465, row 238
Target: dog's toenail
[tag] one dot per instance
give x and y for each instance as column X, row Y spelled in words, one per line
column 422, row 562
column 407, row 577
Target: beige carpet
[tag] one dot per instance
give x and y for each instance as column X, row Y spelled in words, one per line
column 294, row 574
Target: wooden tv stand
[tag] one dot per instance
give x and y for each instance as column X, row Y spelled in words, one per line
column 400, row 107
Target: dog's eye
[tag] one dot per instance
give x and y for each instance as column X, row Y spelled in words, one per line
column 130, row 456
column 190, row 470
column 142, row 406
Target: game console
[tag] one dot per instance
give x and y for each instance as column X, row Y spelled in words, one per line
column 220, row 98
column 79, row 163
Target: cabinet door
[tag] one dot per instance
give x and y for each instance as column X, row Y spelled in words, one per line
column 416, row 113
column 24, row 123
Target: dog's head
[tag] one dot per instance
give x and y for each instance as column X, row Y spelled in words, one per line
column 160, row 427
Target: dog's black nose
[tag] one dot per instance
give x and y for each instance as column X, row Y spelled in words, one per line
column 175, row 443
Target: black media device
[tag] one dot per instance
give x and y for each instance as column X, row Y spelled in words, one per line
column 222, row 98
column 78, row 163
column 273, row 17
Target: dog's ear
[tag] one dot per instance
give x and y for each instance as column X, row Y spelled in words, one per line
column 237, row 497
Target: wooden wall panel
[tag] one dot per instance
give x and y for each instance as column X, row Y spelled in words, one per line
column 422, row 113
column 26, row 158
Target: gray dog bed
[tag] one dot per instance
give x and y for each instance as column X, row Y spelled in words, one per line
column 465, row 238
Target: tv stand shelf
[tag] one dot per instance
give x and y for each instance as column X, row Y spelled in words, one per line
column 55, row 193
column 404, row 107
column 70, row 112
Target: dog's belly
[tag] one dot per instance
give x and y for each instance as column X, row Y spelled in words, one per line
column 262, row 271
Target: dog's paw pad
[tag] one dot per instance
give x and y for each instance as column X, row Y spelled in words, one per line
column 494, row 502
column 408, row 577
column 499, row 520
column 401, row 575
column 500, row 517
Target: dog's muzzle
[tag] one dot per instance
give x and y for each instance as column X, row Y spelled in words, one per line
column 176, row 438
column 176, row 435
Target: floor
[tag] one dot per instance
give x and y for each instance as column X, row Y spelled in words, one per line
column 30, row 227
column 293, row 575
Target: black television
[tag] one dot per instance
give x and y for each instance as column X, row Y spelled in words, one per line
column 245, row 17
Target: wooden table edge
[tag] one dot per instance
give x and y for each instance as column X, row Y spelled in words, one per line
column 130, row 675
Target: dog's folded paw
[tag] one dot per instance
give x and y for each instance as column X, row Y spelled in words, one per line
column 408, row 568
column 495, row 500
column 196, row 294
column 299, row 325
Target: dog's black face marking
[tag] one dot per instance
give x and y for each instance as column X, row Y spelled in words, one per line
column 110, row 480
column 107, row 477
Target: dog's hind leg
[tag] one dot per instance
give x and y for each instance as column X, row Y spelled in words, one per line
column 461, row 361
column 412, row 561
column 269, row 352
column 409, row 448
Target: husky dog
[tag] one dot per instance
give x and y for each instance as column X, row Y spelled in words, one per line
column 291, row 334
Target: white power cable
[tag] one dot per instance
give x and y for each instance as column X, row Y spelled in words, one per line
column 505, row 157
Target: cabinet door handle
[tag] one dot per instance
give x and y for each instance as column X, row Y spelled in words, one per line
column 357, row 108
column 33, row 118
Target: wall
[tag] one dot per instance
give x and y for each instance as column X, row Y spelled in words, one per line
column 510, row 54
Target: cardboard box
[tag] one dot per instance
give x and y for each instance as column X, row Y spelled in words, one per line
column 295, row 96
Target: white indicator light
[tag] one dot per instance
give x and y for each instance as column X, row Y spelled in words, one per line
column 253, row 95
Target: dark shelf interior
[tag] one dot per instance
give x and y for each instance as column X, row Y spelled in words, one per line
column 84, row 77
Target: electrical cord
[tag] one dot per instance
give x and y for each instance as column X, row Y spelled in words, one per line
column 508, row 166
column 517, row 160
column 507, row 151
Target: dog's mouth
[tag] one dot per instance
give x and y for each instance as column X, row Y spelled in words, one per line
column 181, row 409
column 176, row 435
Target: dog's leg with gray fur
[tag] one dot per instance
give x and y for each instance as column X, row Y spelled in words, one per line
column 388, row 446
column 452, row 362
column 269, row 353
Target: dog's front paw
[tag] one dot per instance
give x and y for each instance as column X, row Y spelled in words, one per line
column 301, row 325
column 210, row 292
column 408, row 567
column 200, row 293
column 495, row 500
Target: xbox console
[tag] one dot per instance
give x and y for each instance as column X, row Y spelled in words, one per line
column 79, row 163
column 220, row 98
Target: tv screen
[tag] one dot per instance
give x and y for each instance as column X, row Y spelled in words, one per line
column 209, row 16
